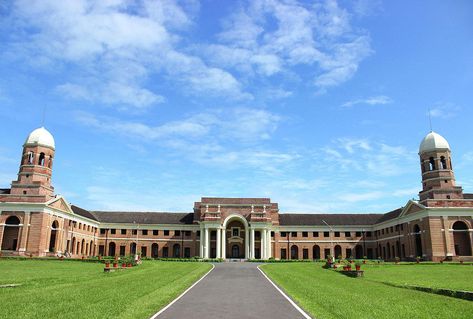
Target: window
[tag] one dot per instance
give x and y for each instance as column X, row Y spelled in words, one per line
column 294, row 234
column 113, row 231
column 50, row 163
column 187, row 233
column 144, row 232
column 443, row 162
column 382, row 231
column 315, row 234
column 101, row 249
column 198, row 234
column 102, row 231
column 122, row 250
column 30, row 157
column 402, row 227
column 177, row 233
column 235, row 232
column 134, row 231
column 431, row 164
column 326, row 234
column 305, row 234
column 337, row 234
column 283, row 234
column 166, row 233
column 272, row 234
column 392, row 229
column 155, row 232
column 368, row 234
column 358, row 234
column 41, row 159
column 166, row 251
column 347, row 234
column 187, row 252
column 144, row 251
column 123, row 231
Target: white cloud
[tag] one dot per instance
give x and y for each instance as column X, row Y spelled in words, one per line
column 444, row 110
column 373, row 100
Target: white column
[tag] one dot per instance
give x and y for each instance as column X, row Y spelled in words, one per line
column 263, row 243
column 252, row 244
column 207, row 243
column 224, row 243
column 218, row 243
column 268, row 243
column 247, row 244
column 201, row 242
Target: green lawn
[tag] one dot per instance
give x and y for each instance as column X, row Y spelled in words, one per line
column 327, row 294
column 455, row 276
column 74, row 289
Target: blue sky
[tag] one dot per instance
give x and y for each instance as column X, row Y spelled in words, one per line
column 319, row 105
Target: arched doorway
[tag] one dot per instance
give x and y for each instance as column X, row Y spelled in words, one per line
column 418, row 240
column 10, row 233
column 52, row 237
column 154, row 250
column 176, row 251
column 338, row 251
column 236, row 234
column 388, row 249
column 73, row 246
column 235, row 251
column 133, row 248
column 316, row 252
column 461, row 239
column 294, row 252
column 358, row 252
column 111, row 249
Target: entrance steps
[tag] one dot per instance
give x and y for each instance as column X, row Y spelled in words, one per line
column 235, row 260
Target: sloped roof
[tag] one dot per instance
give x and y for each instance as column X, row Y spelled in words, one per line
column 5, row 191
column 82, row 212
column 144, row 217
column 331, row 219
column 468, row 196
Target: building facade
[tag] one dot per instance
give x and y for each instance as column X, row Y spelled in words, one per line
column 35, row 221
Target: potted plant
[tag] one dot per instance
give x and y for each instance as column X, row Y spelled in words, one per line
column 107, row 263
column 364, row 259
column 115, row 264
column 357, row 266
column 349, row 266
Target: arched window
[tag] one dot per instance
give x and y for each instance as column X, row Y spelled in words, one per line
column 461, row 239
column 443, row 162
column 111, row 249
column 50, row 163
column 338, row 251
column 154, row 250
column 11, row 233
column 294, row 252
column 176, row 251
column 316, row 252
column 41, row 159
column 30, row 157
column 431, row 164
column 52, row 237
column 418, row 240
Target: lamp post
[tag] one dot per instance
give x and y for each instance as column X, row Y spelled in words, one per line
column 331, row 239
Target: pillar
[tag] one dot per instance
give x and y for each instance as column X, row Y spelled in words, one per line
column 219, row 244
column 25, row 232
column 247, row 244
column 224, row 243
column 252, row 244
column 268, row 243
column 263, row 244
column 207, row 243
column 201, row 243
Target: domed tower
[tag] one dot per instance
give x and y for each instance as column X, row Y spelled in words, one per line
column 34, row 179
column 438, row 179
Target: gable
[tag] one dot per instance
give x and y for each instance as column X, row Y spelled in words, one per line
column 412, row 208
column 60, row 204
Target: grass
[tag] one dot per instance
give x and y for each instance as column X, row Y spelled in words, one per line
column 55, row 289
column 328, row 294
column 454, row 276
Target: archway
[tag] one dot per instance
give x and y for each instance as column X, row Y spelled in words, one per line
column 111, row 249
column 358, row 252
column 73, row 246
column 10, row 233
column 461, row 239
column 236, row 234
column 338, row 251
column 316, row 252
column 133, row 249
column 52, row 237
column 294, row 252
column 154, row 250
column 176, row 251
column 418, row 240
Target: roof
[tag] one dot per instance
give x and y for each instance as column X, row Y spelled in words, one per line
column 433, row 142
column 468, row 196
column 331, row 219
column 238, row 201
column 4, row 191
column 144, row 217
column 391, row 215
column 82, row 212
column 40, row 136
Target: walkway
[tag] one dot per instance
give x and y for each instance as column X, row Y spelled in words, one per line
column 233, row 290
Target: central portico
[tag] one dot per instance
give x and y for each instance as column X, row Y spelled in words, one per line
column 238, row 228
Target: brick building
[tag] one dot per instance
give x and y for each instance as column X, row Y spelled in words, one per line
column 33, row 220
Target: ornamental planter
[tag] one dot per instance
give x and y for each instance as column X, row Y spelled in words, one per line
column 107, row 264
column 130, row 265
column 115, row 265
column 123, row 265
column 357, row 268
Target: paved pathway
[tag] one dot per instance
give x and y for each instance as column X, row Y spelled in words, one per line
column 232, row 290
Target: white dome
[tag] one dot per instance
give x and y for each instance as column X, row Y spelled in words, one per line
column 433, row 142
column 40, row 136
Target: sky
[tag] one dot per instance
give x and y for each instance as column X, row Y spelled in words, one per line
column 319, row 105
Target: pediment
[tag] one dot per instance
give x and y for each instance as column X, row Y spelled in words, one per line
column 412, row 207
column 60, row 204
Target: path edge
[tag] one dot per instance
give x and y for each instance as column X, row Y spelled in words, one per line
column 286, row 296
column 181, row 295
